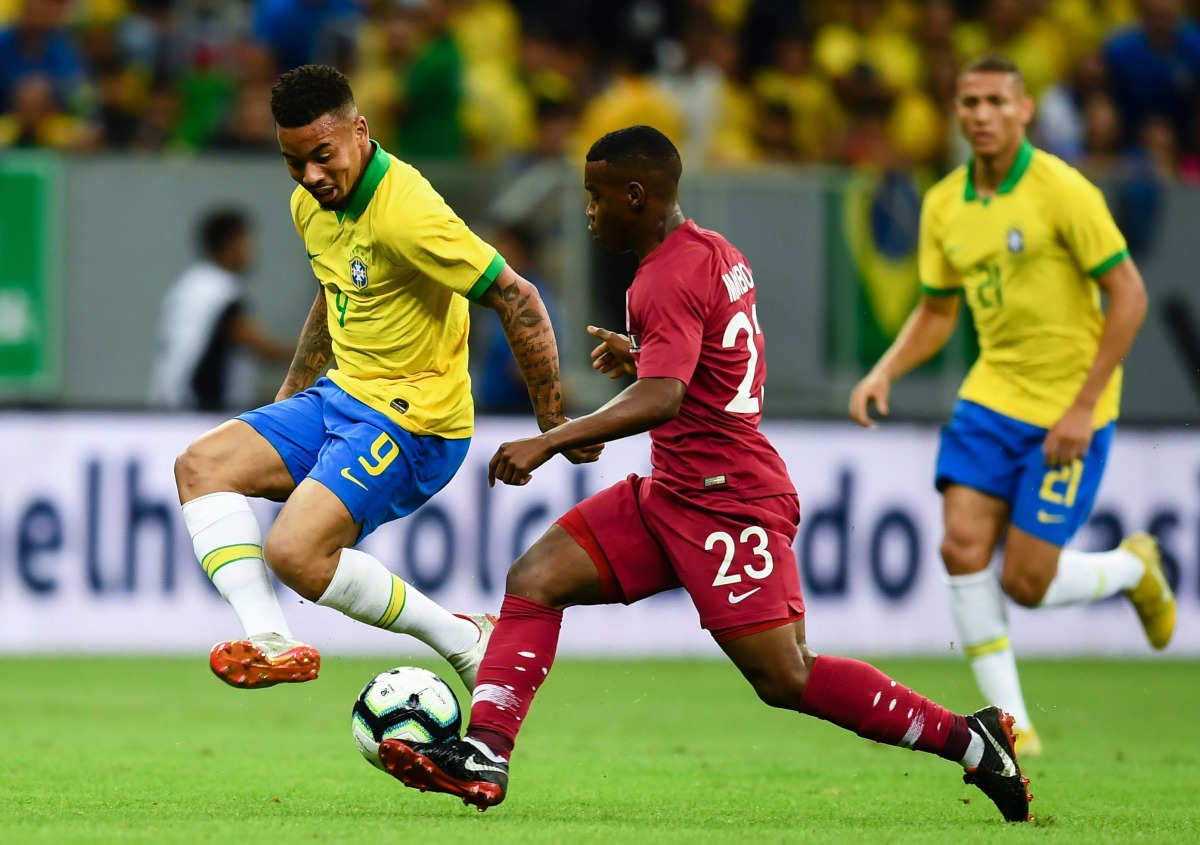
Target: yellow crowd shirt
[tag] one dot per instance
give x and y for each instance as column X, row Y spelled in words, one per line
column 1027, row 259
column 398, row 267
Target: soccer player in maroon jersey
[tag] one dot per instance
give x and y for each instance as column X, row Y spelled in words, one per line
column 717, row 515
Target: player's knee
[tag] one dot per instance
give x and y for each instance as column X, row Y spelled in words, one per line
column 291, row 560
column 1026, row 589
column 783, row 689
column 962, row 556
column 531, row 577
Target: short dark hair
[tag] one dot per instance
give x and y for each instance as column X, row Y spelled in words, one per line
column 640, row 148
column 302, row 95
column 994, row 63
column 221, row 226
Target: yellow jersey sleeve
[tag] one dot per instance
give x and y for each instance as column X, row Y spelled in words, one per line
column 422, row 232
column 1087, row 227
column 937, row 276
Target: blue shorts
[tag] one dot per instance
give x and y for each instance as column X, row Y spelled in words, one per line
column 1002, row 457
column 379, row 470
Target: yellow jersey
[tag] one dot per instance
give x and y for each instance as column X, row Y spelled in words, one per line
column 398, row 267
column 1027, row 259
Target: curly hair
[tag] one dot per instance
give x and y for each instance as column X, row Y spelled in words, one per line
column 302, row 95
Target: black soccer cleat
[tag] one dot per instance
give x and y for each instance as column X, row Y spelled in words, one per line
column 998, row 774
column 456, row 768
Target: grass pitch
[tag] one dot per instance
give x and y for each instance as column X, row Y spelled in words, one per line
column 646, row 752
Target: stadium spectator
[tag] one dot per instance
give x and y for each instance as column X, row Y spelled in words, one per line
column 812, row 108
column 430, row 118
column 1154, row 68
column 1060, row 124
column 299, row 32
column 206, row 335
column 38, row 42
column 36, row 120
column 1016, row 29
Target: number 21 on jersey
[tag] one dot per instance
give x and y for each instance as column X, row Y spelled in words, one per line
column 743, row 401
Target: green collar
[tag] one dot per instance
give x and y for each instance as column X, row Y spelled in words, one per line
column 370, row 180
column 1019, row 166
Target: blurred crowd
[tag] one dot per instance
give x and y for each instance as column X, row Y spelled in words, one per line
column 509, row 82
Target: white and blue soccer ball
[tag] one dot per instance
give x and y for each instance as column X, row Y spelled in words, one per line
column 407, row 703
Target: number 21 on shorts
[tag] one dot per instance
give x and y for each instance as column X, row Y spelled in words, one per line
column 724, row 577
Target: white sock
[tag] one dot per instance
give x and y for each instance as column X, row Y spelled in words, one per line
column 366, row 590
column 977, row 605
column 228, row 544
column 1090, row 576
column 974, row 755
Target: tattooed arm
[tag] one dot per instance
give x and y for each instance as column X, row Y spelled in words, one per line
column 314, row 351
column 527, row 326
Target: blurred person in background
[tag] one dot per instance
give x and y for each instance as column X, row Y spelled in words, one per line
column 811, row 106
column 207, row 336
column 1029, row 244
column 35, row 119
column 430, row 107
column 299, row 32
column 1154, row 68
column 39, row 43
column 1059, row 126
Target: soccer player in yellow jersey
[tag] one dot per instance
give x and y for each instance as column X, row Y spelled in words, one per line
column 1030, row 244
column 391, row 423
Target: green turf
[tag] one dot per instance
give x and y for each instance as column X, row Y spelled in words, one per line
column 154, row 750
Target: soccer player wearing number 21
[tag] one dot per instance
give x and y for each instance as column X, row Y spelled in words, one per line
column 387, row 428
column 1030, row 243
column 717, row 515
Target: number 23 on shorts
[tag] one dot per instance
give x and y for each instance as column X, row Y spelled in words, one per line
column 724, row 577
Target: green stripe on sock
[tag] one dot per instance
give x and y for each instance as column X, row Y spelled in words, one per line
column 395, row 604
column 217, row 558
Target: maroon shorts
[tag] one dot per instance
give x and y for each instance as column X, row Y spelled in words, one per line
column 734, row 557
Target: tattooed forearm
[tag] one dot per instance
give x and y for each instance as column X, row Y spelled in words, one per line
column 314, row 351
column 527, row 327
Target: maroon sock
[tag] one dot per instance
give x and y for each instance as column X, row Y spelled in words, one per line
column 518, row 658
column 857, row 696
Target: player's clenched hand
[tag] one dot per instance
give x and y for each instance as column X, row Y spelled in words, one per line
column 1070, row 438
column 515, row 461
column 611, row 355
column 874, row 387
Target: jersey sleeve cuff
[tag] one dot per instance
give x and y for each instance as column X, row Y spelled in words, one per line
column 940, row 292
column 1104, row 266
column 486, row 277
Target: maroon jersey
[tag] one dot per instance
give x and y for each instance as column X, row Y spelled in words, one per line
column 691, row 317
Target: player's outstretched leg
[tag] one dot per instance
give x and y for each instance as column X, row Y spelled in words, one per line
column 264, row 660
column 997, row 773
column 465, row 769
column 1152, row 598
column 466, row 663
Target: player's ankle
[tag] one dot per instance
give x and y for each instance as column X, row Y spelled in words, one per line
column 492, row 741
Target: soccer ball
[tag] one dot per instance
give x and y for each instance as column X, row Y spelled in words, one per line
column 407, row 703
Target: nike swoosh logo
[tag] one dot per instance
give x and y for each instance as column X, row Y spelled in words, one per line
column 471, row 766
column 1049, row 517
column 1010, row 768
column 734, row 599
column 311, row 256
column 346, row 474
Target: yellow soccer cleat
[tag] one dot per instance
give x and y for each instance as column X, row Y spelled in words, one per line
column 1029, row 744
column 1152, row 597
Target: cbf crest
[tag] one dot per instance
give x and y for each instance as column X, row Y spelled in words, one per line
column 1016, row 241
column 358, row 271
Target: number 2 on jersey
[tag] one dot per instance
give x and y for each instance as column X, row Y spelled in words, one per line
column 744, row 402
